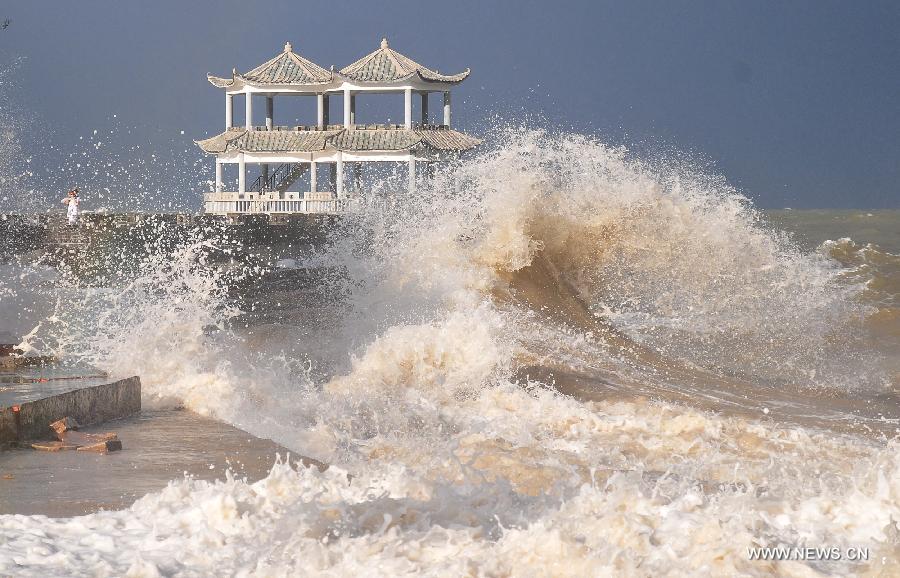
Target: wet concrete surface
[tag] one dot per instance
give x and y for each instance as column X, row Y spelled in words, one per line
column 158, row 446
column 21, row 385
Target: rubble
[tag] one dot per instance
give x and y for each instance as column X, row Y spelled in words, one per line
column 53, row 446
column 69, row 438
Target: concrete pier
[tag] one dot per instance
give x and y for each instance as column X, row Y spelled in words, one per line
column 158, row 446
column 90, row 405
column 22, row 234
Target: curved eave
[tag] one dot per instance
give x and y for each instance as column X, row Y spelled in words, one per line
column 220, row 82
column 239, row 81
column 449, row 140
column 210, row 146
column 431, row 76
column 219, row 143
column 316, row 86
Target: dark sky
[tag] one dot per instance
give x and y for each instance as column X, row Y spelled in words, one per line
column 796, row 103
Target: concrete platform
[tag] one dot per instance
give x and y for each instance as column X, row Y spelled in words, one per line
column 158, row 446
column 31, row 378
column 30, row 420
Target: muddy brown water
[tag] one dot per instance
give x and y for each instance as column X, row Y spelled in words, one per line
column 158, row 446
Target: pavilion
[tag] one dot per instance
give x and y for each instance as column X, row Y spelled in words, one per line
column 290, row 158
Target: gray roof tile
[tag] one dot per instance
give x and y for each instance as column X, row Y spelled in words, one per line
column 354, row 139
column 286, row 68
column 388, row 65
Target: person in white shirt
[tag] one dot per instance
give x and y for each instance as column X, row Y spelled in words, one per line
column 72, row 211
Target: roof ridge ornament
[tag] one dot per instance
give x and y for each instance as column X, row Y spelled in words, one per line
column 384, row 43
column 288, row 47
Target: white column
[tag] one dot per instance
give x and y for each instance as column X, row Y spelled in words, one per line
column 407, row 107
column 346, row 108
column 229, row 111
column 320, row 110
column 248, row 110
column 412, row 174
column 312, row 177
column 270, row 116
column 218, row 176
column 424, row 108
column 340, row 174
column 242, row 174
column 447, row 108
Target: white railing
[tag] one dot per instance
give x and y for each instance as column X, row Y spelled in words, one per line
column 227, row 203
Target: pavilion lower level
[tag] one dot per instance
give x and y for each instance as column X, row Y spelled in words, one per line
column 311, row 169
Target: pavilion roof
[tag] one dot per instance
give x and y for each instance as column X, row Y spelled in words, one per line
column 388, row 65
column 241, row 139
column 284, row 69
column 303, row 139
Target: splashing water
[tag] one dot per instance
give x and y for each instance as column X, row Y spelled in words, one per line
column 478, row 366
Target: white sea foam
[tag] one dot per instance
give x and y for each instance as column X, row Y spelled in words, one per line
column 546, row 486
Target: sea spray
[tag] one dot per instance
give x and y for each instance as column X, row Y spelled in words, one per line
column 549, row 251
column 678, row 262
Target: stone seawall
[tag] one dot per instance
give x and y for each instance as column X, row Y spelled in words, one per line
column 102, row 244
column 102, row 234
column 90, row 405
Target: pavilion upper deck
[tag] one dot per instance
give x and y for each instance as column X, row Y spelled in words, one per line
column 383, row 69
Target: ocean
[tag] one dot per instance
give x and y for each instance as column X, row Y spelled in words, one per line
column 553, row 359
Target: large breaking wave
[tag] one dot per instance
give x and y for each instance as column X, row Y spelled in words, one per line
column 552, row 359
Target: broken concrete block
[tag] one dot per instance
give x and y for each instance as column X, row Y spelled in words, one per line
column 86, row 439
column 103, row 447
column 53, row 446
column 64, row 425
column 71, row 439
